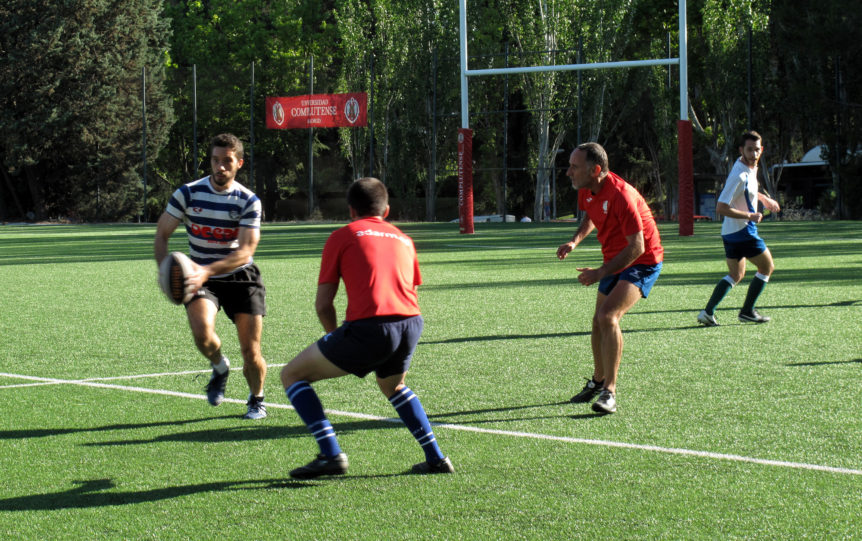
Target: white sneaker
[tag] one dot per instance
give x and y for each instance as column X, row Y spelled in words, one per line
column 705, row 319
column 606, row 403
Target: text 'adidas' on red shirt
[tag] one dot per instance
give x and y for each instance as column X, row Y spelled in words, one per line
column 378, row 265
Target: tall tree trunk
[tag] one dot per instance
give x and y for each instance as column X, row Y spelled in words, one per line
column 34, row 184
column 11, row 189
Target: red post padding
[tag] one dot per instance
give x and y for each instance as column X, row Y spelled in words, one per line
column 465, row 180
column 686, row 179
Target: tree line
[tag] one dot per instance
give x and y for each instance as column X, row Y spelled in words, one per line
column 75, row 73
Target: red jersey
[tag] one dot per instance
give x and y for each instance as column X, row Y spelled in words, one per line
column 617, row 211
column 378, row 264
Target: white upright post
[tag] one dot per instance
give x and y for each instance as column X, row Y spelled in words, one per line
column 683, row 62
column 465, row 115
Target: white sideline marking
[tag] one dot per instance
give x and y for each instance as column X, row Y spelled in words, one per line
column 604, row 443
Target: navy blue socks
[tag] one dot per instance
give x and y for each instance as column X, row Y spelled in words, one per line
column 310, row 410
column 410, row 410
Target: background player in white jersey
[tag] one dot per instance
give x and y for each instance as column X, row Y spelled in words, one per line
column 222, row 220
column 738, row 204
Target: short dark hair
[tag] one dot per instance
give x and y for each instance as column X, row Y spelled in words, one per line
column 368, row 197
column 596, row 155
column 750, row 135
column 228, row 140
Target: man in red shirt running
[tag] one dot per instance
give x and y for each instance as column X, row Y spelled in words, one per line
column 632, row 259
column 378, row 265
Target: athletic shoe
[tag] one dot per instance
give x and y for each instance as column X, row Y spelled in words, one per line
column 606, row 403
column 590, row 390
column 321, row 465
column 705, row 319
column 443, row 466
column 215, row 388
column 753, row 317
column 256, row 409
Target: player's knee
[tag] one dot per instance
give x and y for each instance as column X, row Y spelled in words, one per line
column 207, row 343
column 607, row 320
column 251, row 354
column 288, row 376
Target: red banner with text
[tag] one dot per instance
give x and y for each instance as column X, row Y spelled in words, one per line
column 317, row 111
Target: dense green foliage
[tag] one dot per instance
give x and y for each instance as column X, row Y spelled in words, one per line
column 71, row 82
column 70, row 105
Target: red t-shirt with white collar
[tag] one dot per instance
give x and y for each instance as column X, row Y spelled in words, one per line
column 378, row 264
column 617, row 211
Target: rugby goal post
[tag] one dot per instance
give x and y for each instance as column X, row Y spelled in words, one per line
column 685, row 211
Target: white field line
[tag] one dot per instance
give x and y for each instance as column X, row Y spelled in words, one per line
column 604, row 443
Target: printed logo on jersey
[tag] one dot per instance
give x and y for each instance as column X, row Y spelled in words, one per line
column 221, row 234
column 373, row 233
column 197, row 210
column 234, row 214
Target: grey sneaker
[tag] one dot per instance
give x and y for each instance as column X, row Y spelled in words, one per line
column 256, row 409
column 443, row 466
column 590, row 390
column 753, row 317
column 705, row 319
column 322, row 465
column 215, row 388
column 606, row 403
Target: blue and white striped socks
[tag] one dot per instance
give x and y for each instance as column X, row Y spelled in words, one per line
column 407, row 404
column 310, row 410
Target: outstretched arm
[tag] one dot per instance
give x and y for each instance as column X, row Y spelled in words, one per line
column 585, row 229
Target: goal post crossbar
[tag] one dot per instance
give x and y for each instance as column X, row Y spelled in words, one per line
column 684, row 137
column 573, row 67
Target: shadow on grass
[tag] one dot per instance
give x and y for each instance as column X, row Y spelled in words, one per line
column 257, row 432
column 98, row 493
column 822, row 363
column 48, row 432
column 506, row 337
column 443, row 418
column 633, row 314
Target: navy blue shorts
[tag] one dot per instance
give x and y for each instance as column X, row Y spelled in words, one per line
column 383, row 345
column 643, row 276
column 745, row 249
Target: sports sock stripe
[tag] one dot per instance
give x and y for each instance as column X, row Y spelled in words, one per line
column 410, row 409
column 310, row 410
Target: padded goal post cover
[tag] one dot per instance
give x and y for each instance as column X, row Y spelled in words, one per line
column 172, row 277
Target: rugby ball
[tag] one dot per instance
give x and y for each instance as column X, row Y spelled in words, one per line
column 173, row 270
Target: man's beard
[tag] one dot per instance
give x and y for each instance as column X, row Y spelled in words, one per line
column 220, row 181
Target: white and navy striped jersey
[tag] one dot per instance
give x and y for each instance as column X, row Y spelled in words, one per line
column 213, row 219
column 740, row 192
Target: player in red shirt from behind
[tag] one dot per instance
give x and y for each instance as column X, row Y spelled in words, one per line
column 632, row 258
column 378, row 265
